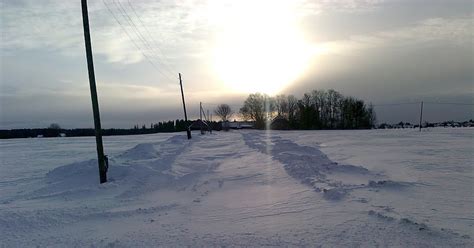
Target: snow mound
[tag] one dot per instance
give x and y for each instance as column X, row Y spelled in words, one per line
column 140, row 152
column 76, row 171
column 81, row 179
column 388, row 184
column 345, row 168
column 334, row 194
column 135, row 171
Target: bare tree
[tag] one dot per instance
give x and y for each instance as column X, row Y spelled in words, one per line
column 223, row 111
column 372, row 117
column 292, row 107
column 254, row 108
column 54, row 126
column 281, row 104
column 259, row 108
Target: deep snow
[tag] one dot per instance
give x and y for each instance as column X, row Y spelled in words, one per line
column 368, row 188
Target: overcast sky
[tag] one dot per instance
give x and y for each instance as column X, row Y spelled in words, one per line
column 381, row 51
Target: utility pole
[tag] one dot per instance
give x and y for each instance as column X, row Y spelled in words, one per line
column 184, row 107
column 200, row 111
column 421, row 114
column 209, row 121
column 102, row 159
column 212, row 125
column 200, row 117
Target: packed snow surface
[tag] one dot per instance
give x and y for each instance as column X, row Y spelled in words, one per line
column 400, row 188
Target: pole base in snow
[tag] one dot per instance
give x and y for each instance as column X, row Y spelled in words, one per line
column 189, row 133
column 103, row 177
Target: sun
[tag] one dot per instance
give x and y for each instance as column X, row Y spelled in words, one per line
column 258, row 47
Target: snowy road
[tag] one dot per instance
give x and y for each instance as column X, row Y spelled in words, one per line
column 249, row 188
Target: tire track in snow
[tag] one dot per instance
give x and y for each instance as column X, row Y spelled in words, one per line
column 312, row 167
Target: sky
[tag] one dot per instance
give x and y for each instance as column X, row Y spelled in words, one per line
column 381, row 51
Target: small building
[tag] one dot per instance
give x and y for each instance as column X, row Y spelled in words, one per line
column 225, row 125
column 241, row 124
column 280, row 123
column 200, row 125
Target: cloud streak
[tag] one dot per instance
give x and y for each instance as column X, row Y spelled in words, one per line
column 434, row 30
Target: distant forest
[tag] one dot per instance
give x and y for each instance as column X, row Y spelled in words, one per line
column 54, row 130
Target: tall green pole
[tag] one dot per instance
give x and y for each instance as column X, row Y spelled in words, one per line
column 95, row 103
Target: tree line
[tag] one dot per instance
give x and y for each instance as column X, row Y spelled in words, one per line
column 54, row 130
column 318, row 109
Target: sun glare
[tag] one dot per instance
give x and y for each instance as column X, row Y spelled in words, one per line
column 258, row 45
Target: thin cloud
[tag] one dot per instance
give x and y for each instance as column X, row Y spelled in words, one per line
column 454, row 31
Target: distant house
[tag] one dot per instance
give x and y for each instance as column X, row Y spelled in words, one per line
column 241, row 124
column 40, row 136
column 280, row 123
column 200, row 125
column 225, row 125
column 62, row 135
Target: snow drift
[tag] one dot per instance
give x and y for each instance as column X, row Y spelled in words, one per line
column 246, row 188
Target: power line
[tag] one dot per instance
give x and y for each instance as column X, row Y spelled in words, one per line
column 133, row 41
column 130, row 37
column 413, row 103
column 452, row 103
column 139, row 34
column 395, row 104
column 217, row 104
column 137, row 31
column 157, row 45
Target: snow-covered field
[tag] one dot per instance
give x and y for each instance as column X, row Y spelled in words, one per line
column 369, row 188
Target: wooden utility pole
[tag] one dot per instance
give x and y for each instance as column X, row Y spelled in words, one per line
column 103, row 164
column 188, row 131
column 421, row 114
column 200, row 116
column 209, row 121
column 200, row 110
